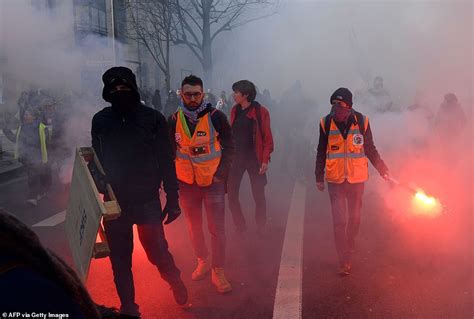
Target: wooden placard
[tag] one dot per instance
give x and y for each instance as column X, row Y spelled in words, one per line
column 85, row 212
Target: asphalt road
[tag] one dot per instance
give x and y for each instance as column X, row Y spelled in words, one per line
column 415, row 268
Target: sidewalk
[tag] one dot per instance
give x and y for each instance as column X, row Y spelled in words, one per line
column 9, row 167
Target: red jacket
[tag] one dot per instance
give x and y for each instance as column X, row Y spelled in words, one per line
column 262, row 136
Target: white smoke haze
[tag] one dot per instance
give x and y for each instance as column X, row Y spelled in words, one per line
column 40, row 45
column 422, row 48
column 414, row 46
column 41, row 52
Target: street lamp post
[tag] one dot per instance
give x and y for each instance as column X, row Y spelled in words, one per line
column 112, row 15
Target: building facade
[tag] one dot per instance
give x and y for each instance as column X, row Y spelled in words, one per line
column 98, row 30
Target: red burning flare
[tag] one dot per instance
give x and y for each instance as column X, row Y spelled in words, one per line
column 424, row 205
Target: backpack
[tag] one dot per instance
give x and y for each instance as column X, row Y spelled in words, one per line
column 359, row 117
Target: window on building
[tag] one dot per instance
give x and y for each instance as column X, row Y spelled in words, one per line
column 120, row 15
column 90, row 18
column 2, row 98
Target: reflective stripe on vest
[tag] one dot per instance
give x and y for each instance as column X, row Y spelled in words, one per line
column 336, row 132
column 200, row 167
column 200, row 159
column 17, row 143
column 44, row 151
column 42, row 137
column 345, row 158
column 342, row 155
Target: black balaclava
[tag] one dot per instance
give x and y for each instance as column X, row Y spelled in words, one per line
column 122, row 101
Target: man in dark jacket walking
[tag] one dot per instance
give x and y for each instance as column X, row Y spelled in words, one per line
column 172, row 104
column 345, row 147
column 156, row 100
column 32, row 143
column 132, row 143
column 250, row 123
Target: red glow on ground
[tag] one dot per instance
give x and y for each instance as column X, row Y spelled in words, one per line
column 148, row 285
column 425, row 224
column 152, row 292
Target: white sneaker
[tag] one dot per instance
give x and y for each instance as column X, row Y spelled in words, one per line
column 32, row 202
column 201, row 270
column 220, row 281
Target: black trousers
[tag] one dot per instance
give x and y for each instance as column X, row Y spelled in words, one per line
column 257, row 181
column 152, row 237
column 39, row 179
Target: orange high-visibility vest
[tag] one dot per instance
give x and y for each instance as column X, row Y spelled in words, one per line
column 199, row 155
column 345, row 158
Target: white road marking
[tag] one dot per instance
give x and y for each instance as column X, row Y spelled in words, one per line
column 288, row 297
column 53, row 220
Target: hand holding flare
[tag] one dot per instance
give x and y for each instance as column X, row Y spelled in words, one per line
column 422, row 204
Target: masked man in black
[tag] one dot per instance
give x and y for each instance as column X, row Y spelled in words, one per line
column 133, row 145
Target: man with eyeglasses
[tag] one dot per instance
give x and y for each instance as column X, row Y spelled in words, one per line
column 345, row 147
column 204, row 150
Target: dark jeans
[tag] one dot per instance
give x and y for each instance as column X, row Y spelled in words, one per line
column 152, row 237
column 257, row 182
column 39, row 179
column 191, row 199
column 346, row 228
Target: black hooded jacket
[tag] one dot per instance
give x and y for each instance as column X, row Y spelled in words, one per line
column 134, row 148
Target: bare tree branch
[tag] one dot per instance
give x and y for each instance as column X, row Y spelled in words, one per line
column 151, row 24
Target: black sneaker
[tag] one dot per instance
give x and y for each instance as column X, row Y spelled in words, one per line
column 32, row 202
column 180, row 292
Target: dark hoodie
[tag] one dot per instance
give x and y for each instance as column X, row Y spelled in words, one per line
column 132, row 143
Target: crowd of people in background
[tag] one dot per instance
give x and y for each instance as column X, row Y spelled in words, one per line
column 294, row 131
column 216, row 140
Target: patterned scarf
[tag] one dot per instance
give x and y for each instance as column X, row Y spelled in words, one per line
column 192, row 114
column 341, row 114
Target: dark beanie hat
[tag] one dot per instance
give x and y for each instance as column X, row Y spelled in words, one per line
column 342, row 94
column 116, row 76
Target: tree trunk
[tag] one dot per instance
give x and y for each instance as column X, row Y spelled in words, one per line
column 207, row 46
column 167, row 83
column 207, row 66
column 167, row 65
column 168, row 44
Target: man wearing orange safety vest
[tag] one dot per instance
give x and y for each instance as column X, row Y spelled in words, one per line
column 345, row 147
column 204, row 150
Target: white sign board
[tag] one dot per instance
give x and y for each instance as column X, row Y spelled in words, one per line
column 84, row 214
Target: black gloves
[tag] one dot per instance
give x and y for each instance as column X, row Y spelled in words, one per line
column 171, row 210
column 99, row 178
